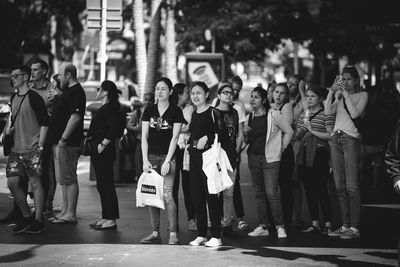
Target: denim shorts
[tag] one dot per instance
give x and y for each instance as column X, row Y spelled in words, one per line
column 66, row 164
column 27, row 164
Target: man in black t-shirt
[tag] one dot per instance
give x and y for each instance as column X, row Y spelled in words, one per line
column 66, row 133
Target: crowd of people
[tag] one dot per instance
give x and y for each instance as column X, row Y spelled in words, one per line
column 296, row 135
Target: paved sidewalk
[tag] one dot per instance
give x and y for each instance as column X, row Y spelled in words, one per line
column 77, row 245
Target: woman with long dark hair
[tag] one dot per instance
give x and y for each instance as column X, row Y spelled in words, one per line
column 269, row 134
column 161, row 124
column 103, row 130
column 180, row 96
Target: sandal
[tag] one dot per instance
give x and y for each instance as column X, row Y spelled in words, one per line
column 311, row 229
column 243, row 226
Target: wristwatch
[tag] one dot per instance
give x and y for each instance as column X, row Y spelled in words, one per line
column 103, row 145
column 167, row 161
column 62, row 139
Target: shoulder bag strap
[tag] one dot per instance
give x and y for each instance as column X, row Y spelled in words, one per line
column 315, row 114
column 15, row 117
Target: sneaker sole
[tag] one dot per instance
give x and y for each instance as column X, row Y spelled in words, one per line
column 258, row 235
column 151, row 242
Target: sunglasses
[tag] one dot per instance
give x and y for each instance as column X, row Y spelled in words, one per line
column 15, row 76
column 227, row 93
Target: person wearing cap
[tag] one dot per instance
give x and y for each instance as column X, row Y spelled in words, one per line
column 348, row 101
column 104, row 129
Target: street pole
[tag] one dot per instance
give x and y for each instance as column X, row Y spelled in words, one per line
column 103, row 41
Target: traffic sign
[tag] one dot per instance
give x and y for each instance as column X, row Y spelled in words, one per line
column 113, row 17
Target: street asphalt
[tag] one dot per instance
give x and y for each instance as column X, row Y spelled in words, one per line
column 78, row 245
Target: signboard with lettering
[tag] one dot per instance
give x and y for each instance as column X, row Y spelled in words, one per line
column 206, row 67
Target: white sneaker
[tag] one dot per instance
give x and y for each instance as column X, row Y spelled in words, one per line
column 198, row 241
column 350, row 233
column 281, row 232
column 338, row 232
column 259, row 231
column 214, row 242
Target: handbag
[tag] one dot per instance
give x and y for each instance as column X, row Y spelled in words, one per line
column 8, row 139
column 86, row 146
column 150, row 189
column 216, row 165
column 128, row 142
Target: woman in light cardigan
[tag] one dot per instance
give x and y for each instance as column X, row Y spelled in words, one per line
column 269, row 134
column 346, row 99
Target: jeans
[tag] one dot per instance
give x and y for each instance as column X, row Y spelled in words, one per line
column 103, row 168
column 345, row 157
column 201, row 197
column 315, row 181
column 229, row 210
column 265, row 181
column 156, row 161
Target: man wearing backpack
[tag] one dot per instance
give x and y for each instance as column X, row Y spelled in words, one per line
column 29, row 121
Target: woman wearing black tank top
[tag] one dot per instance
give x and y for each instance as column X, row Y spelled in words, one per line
column 202, row 136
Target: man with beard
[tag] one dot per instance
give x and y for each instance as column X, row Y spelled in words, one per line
column 66, row 133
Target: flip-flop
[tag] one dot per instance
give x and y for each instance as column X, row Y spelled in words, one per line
column 52, row 218
column 62, row 221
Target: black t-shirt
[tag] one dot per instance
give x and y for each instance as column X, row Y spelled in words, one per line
column 161, row 128
column 228, row 126
column 72, row 100
column 258, row 135
column 201, row 124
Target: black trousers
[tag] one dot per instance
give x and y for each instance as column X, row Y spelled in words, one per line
column 201, row 197
column 286, row 183
column 103, row 168
column 315, row 181
column 237, row 194
column 185, row 185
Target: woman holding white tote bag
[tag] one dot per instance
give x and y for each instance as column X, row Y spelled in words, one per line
column 202, row 137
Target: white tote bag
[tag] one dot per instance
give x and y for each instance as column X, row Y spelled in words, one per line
column 150, row 189
column 216, row 165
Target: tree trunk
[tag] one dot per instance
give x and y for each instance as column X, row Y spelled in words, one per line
column 140, row 45
column 170, row 49
column 154, row 45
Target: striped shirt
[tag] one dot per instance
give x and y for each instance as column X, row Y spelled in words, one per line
column 319, row 123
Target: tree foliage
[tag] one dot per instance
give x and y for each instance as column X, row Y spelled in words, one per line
column 243, row 29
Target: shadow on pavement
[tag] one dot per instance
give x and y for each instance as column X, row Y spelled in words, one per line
column 19, row 255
